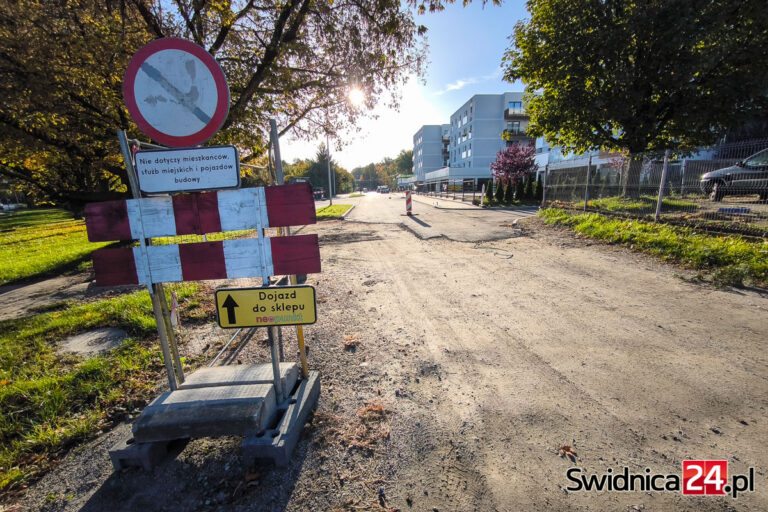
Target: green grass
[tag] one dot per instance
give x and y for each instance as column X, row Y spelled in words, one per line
column 34, row 242
column 211, row 237
column 731, row 259
column 333, row 212
column 640, row 204
column 50, row 400
column 357, row 194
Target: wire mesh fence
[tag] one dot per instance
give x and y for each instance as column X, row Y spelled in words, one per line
column 724, row 188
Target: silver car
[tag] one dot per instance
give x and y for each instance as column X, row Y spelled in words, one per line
column 750, row 176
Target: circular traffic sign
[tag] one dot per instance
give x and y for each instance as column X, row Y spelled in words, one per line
column 176, row 92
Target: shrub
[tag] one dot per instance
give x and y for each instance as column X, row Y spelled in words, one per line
column 528, row 193
column 519, row 189
column 538, row 190
column 499, row 192
column 489, row 191
column 509, row 193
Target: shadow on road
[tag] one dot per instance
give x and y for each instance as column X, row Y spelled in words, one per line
column 348, row 238
column 219, row 480
column 419, row 222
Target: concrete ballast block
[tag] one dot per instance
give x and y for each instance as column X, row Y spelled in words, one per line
column 207, row 412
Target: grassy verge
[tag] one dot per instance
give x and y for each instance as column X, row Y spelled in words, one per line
column 356, row 194
column 51, row 400
column 641, row 204
column 36, row 242
column 495, row 203
column 333, row 212
column 732, row 260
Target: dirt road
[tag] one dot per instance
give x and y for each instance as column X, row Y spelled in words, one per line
column 486, row 358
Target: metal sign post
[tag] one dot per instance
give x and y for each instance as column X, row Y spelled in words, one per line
column 157, row 294
column 292, row 278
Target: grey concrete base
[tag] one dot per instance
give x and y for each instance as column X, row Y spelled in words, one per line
column 241, row 374
column 128, row 453
column 278, row 444
column 233, row 410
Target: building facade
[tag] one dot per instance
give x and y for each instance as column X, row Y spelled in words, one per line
column 430, row 149
column 477, row 131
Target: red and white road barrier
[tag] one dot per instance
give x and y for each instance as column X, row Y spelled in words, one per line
column 228, row 259
column 408, row 203
column 200, row 213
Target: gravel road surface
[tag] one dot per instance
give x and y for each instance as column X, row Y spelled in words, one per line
column 455, row 366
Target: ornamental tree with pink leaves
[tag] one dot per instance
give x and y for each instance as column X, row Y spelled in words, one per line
column 514, row 163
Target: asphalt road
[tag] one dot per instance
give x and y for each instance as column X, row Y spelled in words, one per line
column 435, row 217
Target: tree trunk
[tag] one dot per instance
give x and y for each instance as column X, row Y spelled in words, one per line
column 630, row 176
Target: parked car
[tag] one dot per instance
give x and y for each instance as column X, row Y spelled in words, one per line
column 319, row 193
column 384, row 189
column 750, row 176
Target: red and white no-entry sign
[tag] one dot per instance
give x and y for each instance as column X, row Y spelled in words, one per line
column 176, row 92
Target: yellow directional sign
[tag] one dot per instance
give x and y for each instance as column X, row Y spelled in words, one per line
column 259, row 307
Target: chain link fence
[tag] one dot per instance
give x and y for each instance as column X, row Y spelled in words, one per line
column 723, row 188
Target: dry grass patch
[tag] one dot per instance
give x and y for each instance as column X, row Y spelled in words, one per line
column 369, row 426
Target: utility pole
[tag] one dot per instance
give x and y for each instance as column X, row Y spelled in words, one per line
column 328, row 148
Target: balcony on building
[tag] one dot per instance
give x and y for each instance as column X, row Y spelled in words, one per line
column 515, row 110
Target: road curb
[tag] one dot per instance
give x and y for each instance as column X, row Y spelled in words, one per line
column 471, row 207
column 344, row 216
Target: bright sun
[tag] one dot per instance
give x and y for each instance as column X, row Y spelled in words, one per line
column 356, row 96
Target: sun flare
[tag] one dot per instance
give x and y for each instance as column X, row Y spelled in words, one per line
column 356, row 96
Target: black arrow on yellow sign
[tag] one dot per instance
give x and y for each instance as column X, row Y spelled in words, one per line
column 230, row 305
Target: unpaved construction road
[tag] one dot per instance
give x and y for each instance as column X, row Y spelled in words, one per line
column 486, row 358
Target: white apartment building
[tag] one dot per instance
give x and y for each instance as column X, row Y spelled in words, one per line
column 430, row 149
column 469, row 143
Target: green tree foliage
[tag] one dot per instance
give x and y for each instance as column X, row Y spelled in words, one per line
column 62, row 66
column 317, row 171
column 620, row 74
column 386, row 171
column 404, row 162
column 61, row 98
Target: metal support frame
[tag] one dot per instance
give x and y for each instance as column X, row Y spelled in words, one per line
column 589, row 183
column 156, row 292
column 280, row 180
column 664, row 171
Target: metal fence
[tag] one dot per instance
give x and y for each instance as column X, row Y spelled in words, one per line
column 724, row 188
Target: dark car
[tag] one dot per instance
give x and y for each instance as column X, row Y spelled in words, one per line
column 319, row 193
column 750, row 176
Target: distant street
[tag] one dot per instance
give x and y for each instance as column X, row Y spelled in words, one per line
column 434, row 217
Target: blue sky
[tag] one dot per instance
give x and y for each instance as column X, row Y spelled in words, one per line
column 466, row 45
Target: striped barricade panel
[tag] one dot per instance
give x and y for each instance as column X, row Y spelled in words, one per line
column 201, row 213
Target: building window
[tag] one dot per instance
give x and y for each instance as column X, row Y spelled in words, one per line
column 469, row 152
column 515, row 105
column 514, row 127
